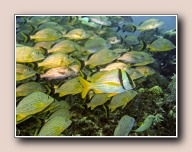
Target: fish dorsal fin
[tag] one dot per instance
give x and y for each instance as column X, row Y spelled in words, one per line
column 140, row 23
column 39, row 25
column 44, row 50
column 60, row 84
column 53, row 45
column 153, row 40
column 123, row 53
column 89, row 56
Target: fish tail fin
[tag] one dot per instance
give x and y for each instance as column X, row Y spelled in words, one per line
column 32, row 37
column 137, row 28
column 39, row 64
column 134, row 28
column 45, row 51
column 86, row 85
column 86, row 63
column 118, row 28
column 147, row 46
column 26, row 37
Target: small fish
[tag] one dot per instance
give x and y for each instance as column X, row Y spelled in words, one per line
column 69, row 20
column 121, row 99
column 62, row 105
column 129, row 28
column 55, row 126
column 72, row 86
column 145, row 70
column 96, row 44
column 28, row 54
column 52, row 25
column 97, row 100
column 65, row 46
column 114, row 40
column 146, row 124
column 149, row 24
column 116, row 20
column 134, row 74
column 106, row 31
column 28, row 88
column 32, row 104
column 61, row 112
column 161, row 45
column 26, row 28
column 56, row 60
column 169, row 34
column 131, row 40
column 111, row 82
column 51, row 107
column 45, row 45
column 135, row 58
column 24, row 72
column 139, row 46
column 102, row 57
column 119, row 46
column 37, row 20
column 46, row 35
column 124, row 126
column 102, row 20
column 59, row 73
column 86, row 21
column 117, row 65
column 77, row 34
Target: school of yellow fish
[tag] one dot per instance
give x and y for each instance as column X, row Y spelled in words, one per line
column 82, row 54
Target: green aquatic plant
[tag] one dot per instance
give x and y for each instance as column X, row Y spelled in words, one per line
column 156, row 89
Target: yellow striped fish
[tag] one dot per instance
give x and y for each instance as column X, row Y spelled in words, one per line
column 111, row 82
